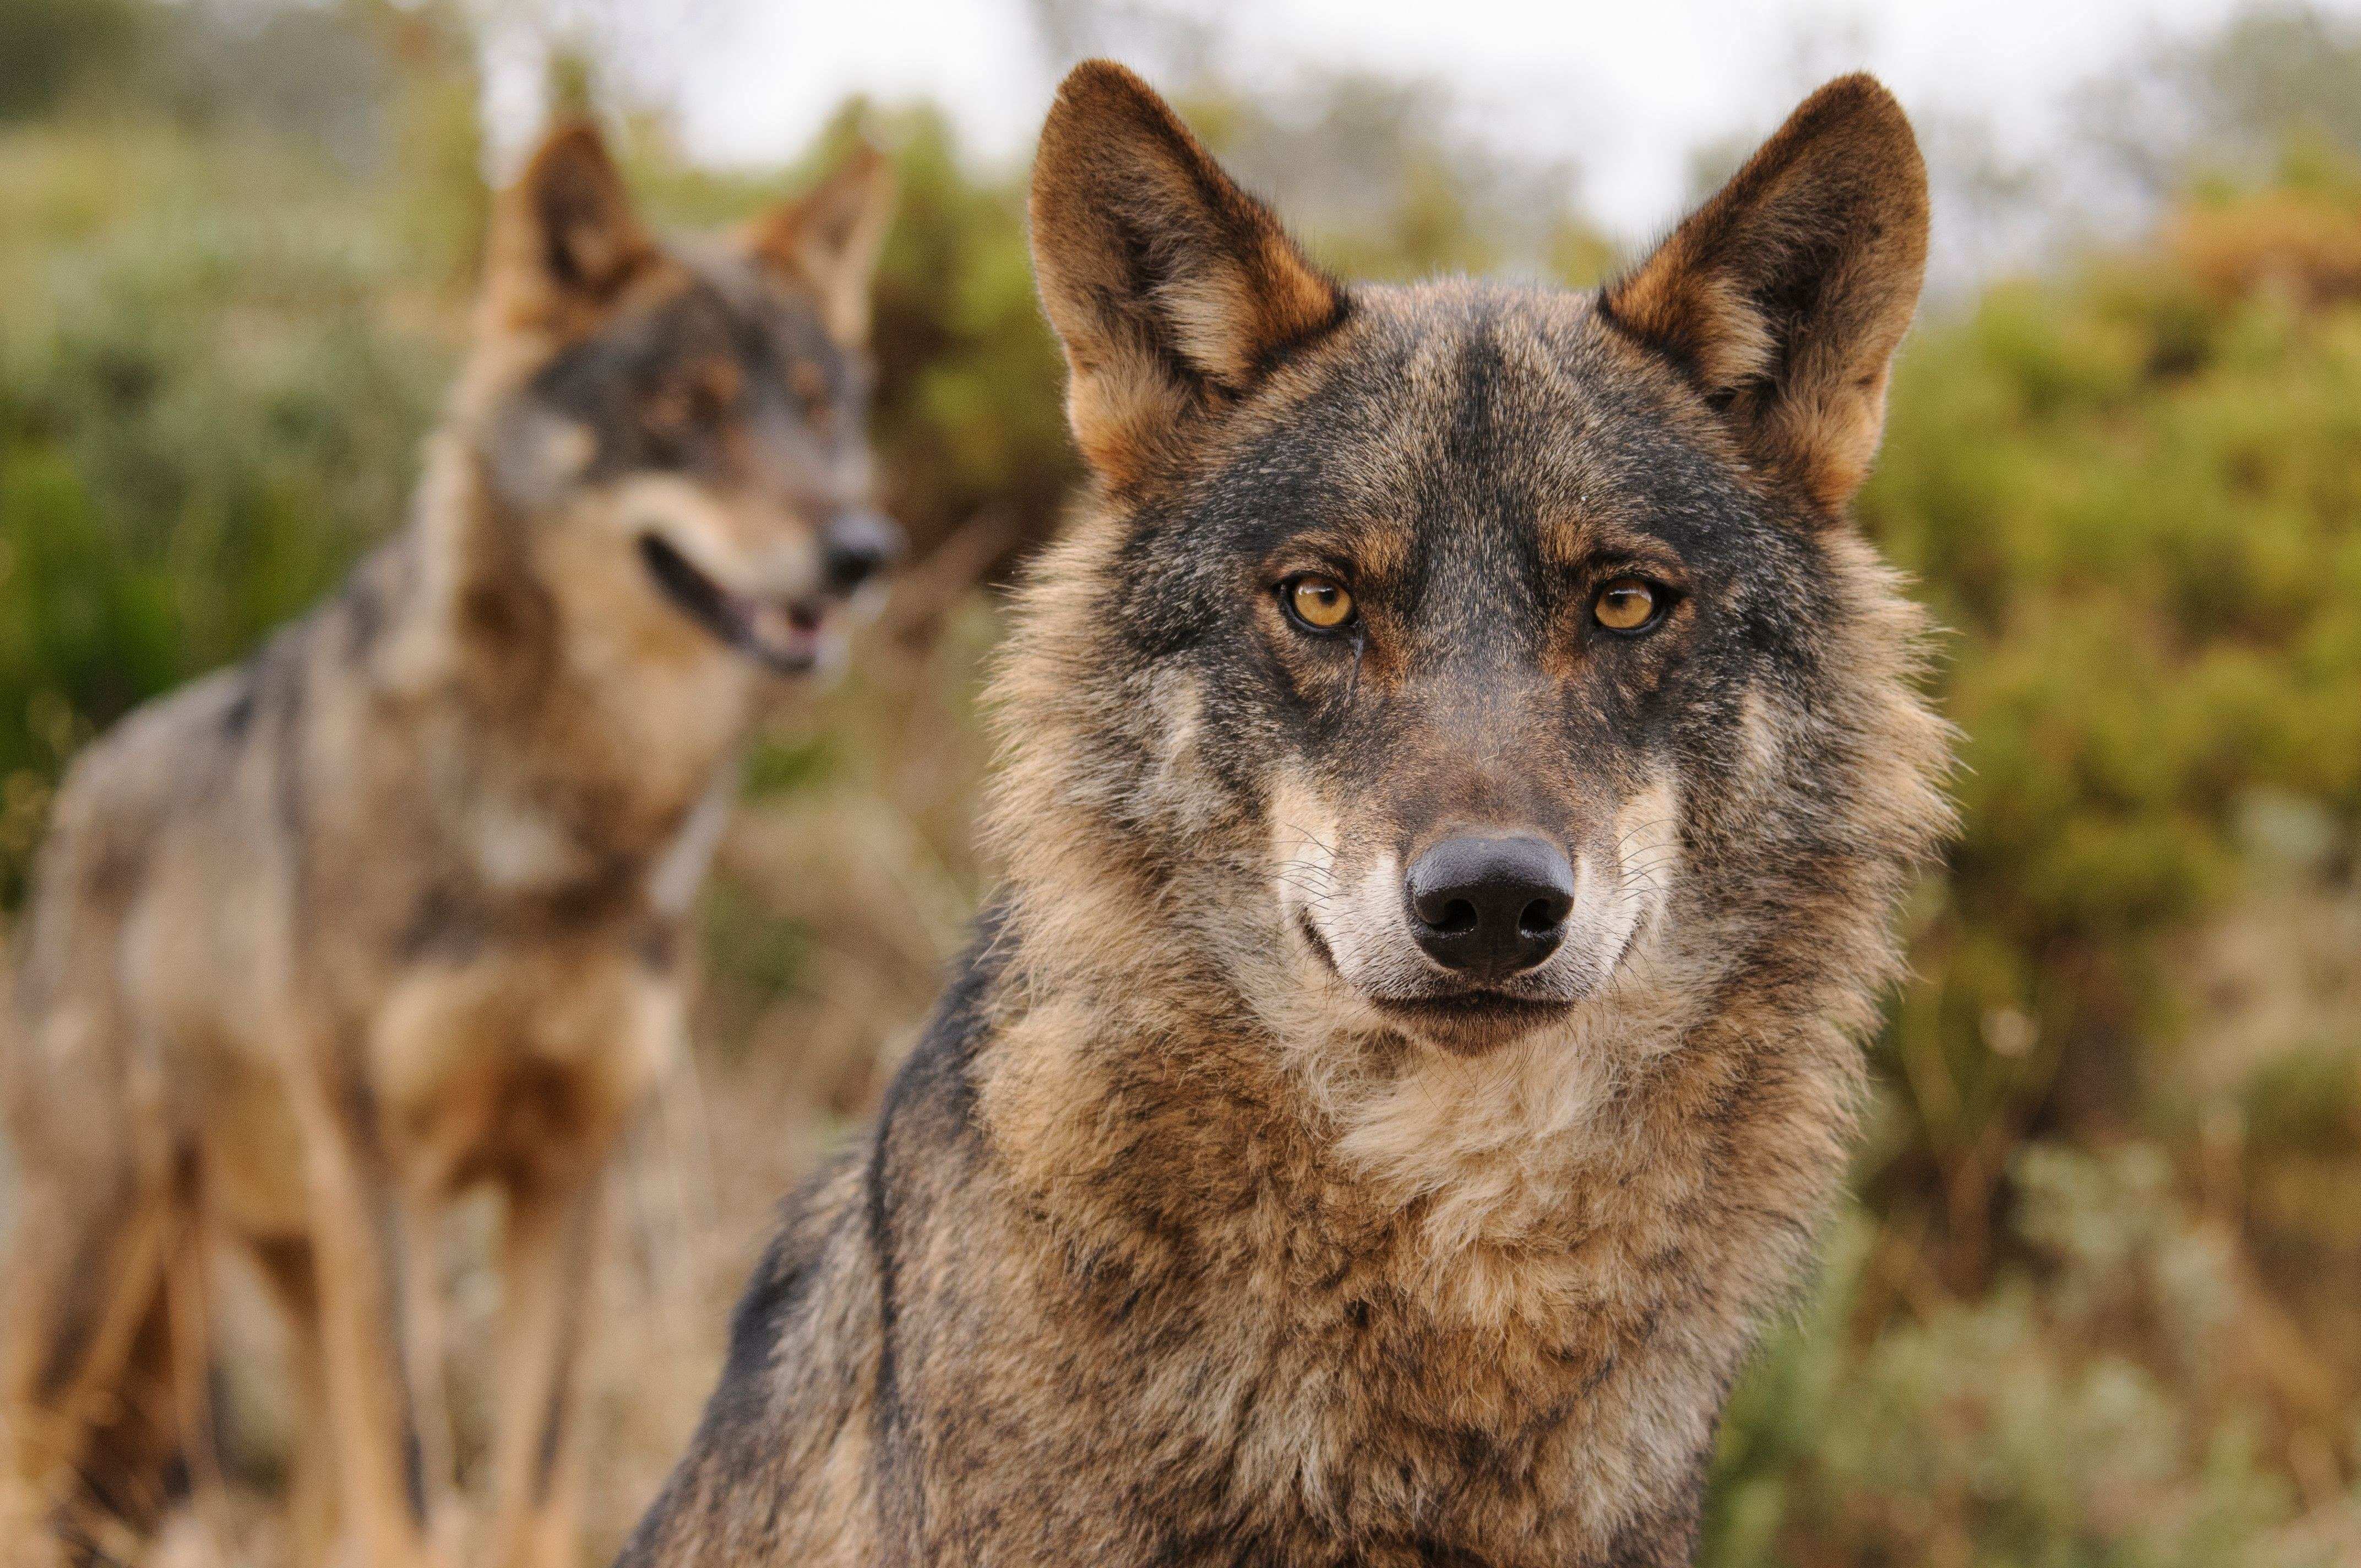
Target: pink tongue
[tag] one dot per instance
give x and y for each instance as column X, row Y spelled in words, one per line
column 783, row 625
column 773, row 623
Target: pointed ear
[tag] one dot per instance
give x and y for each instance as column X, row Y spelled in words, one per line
column 1784, row 298
column 1172, row 290
column 564, row 241
column 830, row 239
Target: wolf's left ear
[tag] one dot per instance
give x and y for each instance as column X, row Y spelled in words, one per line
column 828, row 240
column 564, row 240
column 1172, row 290
column 1782, row 298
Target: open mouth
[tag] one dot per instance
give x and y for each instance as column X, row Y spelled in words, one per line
column 781, row 636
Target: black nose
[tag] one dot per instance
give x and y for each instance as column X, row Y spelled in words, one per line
column 1490, row 906
column 855, row 546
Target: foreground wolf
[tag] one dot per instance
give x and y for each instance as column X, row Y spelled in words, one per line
column 396, row 908
column 1460, row 767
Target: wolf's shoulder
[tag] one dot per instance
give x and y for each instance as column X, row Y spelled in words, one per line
column 836, row 1210
column 937, row 1077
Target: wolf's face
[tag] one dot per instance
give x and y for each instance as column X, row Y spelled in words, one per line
column 1459, row 625
column 683, row 426
column 1469, row 624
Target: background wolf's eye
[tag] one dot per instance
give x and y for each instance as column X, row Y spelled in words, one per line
column 700, row 394
column 1626, row 604
column 1317, row 603
column 809, row 383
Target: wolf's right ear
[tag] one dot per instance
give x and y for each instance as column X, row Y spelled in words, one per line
column 1172, row 290
column 828, row 241
column 1783, row 299
column 564, row 240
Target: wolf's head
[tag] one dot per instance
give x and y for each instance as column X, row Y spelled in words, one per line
column 1438, row 656
column 674, row 430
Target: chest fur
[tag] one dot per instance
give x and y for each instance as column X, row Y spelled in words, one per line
column 519, row 1063
column 1511, row 1351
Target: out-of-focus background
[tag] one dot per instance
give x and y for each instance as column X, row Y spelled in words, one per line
column 2096, row 1302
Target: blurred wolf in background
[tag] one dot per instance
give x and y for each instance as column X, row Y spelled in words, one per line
column 1461, row 765
column 398, row 906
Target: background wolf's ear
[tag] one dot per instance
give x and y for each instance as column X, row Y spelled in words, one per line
column 828, row 240
column 1171, row 289
column 1784, row 297
column 564, row 240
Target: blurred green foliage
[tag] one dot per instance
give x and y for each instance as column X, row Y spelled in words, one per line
column 205, row 411
column 52, row 47
column 2133, row 500
column 2098, row 1304
column 2088, row 1410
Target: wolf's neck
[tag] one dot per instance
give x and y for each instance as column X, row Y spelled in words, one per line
column 569, row 743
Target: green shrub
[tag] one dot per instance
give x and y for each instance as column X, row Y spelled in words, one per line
column 2137, row 510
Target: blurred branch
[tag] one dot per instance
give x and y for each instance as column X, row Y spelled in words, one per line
column 952, row 569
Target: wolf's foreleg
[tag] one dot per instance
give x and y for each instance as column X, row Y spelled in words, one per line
column 287, row 1269
column 358, row 1248
column 546, row 1282
column 421, row 1215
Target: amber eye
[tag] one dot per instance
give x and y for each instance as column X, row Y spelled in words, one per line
column 1626, row 604
column 1316, row 603
column 702, row 395
column 810, row 385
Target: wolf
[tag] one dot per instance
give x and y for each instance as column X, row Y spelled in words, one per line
column 396, row 908
column 1460, row 765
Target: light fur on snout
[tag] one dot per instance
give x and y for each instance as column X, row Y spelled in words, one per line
column 1355, row 902
column 781, row 562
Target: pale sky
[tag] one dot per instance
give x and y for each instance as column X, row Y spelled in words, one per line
column 1626, row 88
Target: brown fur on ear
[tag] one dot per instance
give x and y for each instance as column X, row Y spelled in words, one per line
column 828, row 240
column 1170, row 287
column 1784, row 297
column 564, row 241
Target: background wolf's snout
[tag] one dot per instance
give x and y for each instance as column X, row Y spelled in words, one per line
column 856, row 546
column 1490, row 906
